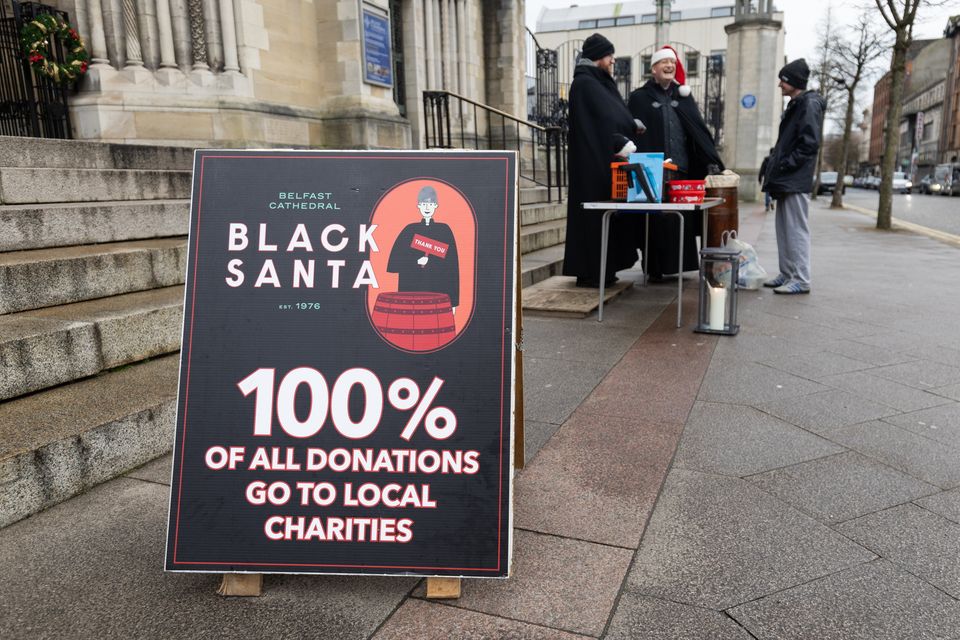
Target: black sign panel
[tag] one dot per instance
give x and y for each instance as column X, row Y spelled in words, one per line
column 347, row 372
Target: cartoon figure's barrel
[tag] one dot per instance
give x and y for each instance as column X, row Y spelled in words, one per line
column 414, row 320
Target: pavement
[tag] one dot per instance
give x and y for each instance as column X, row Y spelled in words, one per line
column 798, row 480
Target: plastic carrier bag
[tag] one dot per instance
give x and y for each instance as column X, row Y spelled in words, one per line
column 751, row 275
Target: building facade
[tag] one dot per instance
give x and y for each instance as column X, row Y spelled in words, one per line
column 307, row 73
column 950, row 122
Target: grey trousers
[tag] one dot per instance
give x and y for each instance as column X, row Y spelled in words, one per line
column 793, row 237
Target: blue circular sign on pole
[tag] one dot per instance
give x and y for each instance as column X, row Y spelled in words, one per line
column 749, row 101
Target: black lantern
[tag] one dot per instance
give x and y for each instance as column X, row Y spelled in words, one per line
column 719, row 272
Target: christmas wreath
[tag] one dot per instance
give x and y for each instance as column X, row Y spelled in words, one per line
column 35, row 38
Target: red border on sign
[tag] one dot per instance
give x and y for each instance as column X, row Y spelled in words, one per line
column 186, row 399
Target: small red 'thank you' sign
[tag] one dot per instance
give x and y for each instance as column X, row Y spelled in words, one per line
column 427, row 245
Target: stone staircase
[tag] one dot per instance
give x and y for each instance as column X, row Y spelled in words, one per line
column 92, row 263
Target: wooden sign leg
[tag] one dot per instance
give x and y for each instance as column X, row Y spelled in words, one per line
column 443, row 588
column 241, row 584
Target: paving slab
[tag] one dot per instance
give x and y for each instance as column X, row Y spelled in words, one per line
column 564, row 339
column 536, row 434
column 752, row 384
column 754, row 348
column 596, row 480
column 939, row 423
column 864, row 352
column 657, row 379
column 841, row 487
column 640, row 617
column 735, row 440
column 888, row 392
column 435, row 621
column 556, row 582
column 951, row 391
column 920, row 374
column 552, row 389
column 918, row 456
column 158, row 471
column 827, row 411
column 92, row 568
column 946, row 504
column 816, row 365
column 716, row 542
column 874, row 601
column 923, row 543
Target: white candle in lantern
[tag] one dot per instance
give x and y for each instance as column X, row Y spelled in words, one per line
column 718, row 307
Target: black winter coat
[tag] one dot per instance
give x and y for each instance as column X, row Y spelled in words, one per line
column 647, row 104
column 650, row 104
column 597, row 112
column 794, row 158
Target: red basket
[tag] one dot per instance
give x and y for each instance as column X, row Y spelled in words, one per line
column 687, row 185
column 687, row 197
column 618, row 181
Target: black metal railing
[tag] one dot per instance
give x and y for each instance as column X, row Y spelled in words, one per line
column 472, row 125
column 30, row 104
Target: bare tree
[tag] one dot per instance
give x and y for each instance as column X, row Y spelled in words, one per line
column 825, row 85
column 852, row 60
column 899, row 16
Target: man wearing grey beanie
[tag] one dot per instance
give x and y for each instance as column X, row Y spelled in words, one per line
column 789, row 177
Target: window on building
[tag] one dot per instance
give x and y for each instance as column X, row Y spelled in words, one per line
column 674, row 15
column 648, row 18
column 606, row 22
column 645, row 64
column 587, row 24
column 721, row 12
column 691, row 63
column 626, row 20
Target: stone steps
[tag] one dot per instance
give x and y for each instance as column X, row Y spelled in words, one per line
column 57, row 345
column 62, row 225
column 541, row 264
column 49, row 277
column 542, row 235
column 542, row 212
column 71, row 154
column 60, row 442
column 31, row 185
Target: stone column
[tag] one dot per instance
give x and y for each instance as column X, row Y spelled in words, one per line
column 115, row 32
column 149, row 40
column 182, row 44
column 437, row 33
column 168, row 57
column 228, row 25
column 211, row 26
column 447, row 35
column 504, row 56
column 98, row 41
column 431, row 57
column 461, row 46
column 198, row 38
column 754, row 52
column 131, row 35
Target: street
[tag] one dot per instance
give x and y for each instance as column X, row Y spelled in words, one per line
column 933, row 211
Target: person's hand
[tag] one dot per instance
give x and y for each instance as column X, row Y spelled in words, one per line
column 423, row 261
column 626, row 150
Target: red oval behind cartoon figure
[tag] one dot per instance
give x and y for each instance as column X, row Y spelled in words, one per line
column 427, row 234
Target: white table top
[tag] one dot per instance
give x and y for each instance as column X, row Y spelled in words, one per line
column 652, row 206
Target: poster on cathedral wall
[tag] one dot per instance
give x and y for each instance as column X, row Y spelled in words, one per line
column 346, row 393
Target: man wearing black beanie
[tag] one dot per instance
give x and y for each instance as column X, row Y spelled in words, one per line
column 600, row 131
column 789, row 177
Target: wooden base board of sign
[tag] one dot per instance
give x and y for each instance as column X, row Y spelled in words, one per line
column 518, row 453
column 443, row 588
column 241, row 584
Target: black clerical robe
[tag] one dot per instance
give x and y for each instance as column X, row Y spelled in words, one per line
column 439, row 274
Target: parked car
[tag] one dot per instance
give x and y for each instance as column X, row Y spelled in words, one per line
column 927, row 184
column 901, row 183
column 859, row 181
column 828, row 182
column 873, row 182
column 947, row 176
column 848, row 181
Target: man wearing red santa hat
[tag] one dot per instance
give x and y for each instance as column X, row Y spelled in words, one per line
column 675, row 127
